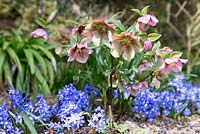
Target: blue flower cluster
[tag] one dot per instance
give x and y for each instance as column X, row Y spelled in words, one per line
column 21, row 104
column 71, row 100
column 91, row 91
column 146, row 104
column 149, row 103
column 6, row 125
column 42, row 109
column 98, row 120
column 66, row 115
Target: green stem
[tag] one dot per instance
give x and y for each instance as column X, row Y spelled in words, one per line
column 110, row 82
column 111, row 116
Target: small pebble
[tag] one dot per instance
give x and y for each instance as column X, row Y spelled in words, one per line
column 182, row 133
column 197, row 131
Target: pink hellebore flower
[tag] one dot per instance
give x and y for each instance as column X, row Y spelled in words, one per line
column 79, row 53
column 40, row 33
column 125, row 45
column 165, row 50
column 97, row 30
column 78, row 30
column 155, row 83
column 172, row 65
column 147, row 45
column 140, row 85
column 146, row 19
column 145, row 64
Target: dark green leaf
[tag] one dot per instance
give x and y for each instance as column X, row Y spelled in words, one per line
column 7, row 73
column 15, row 58
column 30, row 60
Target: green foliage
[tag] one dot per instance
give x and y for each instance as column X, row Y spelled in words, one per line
column 29, row 124
column 26, row 60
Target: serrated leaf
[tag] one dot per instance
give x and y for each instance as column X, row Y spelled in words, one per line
column 29, row 124
column 175, row 54
column 131, row 29
column 41, row 22
column 143, row 36
column 153, row 36
column 137, row 11
column 145, row 10
column 118, row 24
column 156, row 46
column 30, row 60
column 163, row 55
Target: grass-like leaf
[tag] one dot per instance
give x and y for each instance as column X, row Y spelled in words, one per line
column 29, row 124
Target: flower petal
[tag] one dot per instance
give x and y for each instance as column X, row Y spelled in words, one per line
column 128, row 52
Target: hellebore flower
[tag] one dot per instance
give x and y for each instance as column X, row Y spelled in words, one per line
column 40, row 33
column 96, row 30
column 146, row 19
column 136, row 86
column 145, row 64
column 125, row 44
column 147, row 45
column 79, row 52
column 78, row 30
column 140, row 85
column 164, row 51
column 173, row 64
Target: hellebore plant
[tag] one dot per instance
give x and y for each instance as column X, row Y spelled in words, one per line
column 122, row 54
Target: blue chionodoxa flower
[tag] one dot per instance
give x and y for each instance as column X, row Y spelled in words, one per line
column 42, row 109
column 68, row 110
column 21, row 104
column 98, row 120
column 91, row 91
column 6, row 125
column 149, row 104
column 71, row 101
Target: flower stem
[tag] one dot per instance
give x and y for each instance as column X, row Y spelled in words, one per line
column 110, row 116
column 111, row 80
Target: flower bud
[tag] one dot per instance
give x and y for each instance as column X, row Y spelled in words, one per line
column 147, row 45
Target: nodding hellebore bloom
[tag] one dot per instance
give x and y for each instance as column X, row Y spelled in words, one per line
column 170, row 61
column 142, row 66
column 96, row 30
column 146, row 19
column 79, row 53
column 40, row 33
column 125, row 44
column 174, row 64
column 136, row 86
